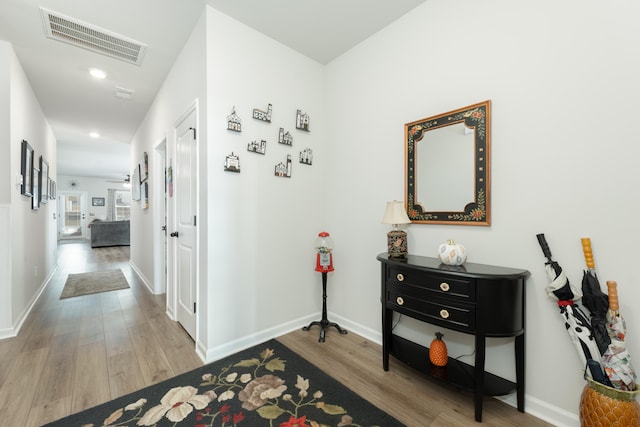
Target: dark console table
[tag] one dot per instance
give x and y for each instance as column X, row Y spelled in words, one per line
column 481, row 300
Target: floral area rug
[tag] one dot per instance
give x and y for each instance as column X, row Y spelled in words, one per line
column 266, row 385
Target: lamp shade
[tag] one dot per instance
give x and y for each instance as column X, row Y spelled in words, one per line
column 395, row 214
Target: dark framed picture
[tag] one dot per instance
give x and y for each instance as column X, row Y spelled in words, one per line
column 97, row 201
column 35, row 193
column 52, row 189
column 26, row 169
column 145, row 173
column 135, row 183
column 43, row 182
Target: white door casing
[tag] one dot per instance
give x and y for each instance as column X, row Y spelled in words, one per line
column 184, row 236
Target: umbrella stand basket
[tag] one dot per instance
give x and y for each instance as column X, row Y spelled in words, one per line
column 604, row 406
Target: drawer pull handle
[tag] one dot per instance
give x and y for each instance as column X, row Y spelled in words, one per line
column 444, row 314
column 400, row 277
column 444, row 286
column 399, row 300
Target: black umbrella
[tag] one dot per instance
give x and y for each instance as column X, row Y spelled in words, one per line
column 594, row 299
column 575, row 321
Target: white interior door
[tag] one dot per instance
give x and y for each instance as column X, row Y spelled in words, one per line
column 72, row 215
column 185, row 236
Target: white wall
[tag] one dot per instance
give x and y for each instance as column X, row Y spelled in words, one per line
column 256, row 244
column 562, row 78
column 262, row 228
column 32, row 242
column 184, row 85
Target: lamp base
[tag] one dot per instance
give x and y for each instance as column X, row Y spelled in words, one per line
column 397, row 244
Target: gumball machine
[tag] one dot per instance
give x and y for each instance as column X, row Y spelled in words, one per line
column 324, row 264
column 324, row 258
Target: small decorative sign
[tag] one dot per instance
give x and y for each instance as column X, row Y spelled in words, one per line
column 97, row 201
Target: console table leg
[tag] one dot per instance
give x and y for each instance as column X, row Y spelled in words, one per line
column 519, row 345
column 479, row 374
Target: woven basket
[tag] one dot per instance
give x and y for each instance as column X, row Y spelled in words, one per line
column 602, row 406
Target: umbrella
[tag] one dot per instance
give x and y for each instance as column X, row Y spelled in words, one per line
column 594, row 299
column 576, row 322
column 616, row 360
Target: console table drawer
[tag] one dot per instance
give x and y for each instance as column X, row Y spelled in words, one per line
column 449, row 314
column 436, row 284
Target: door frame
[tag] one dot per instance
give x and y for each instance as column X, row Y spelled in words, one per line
column 160, row 219
column 172, row 283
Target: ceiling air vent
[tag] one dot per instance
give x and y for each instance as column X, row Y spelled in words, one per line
column 69, row 30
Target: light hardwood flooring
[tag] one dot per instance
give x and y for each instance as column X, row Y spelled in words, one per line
column 76, row 353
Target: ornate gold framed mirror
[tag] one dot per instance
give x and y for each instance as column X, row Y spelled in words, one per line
column 447, row 167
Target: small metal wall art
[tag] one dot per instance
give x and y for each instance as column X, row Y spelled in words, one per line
column 265, row 116
column 257, row 147
column 232, row 163
column 285, row 137
column 233, row 121
column 302, row 121
column 306, row 156
column 284, row 170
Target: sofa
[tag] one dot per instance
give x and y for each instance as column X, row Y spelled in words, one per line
column 109, row 233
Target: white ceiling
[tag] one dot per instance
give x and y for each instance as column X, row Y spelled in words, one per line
column 76, row 104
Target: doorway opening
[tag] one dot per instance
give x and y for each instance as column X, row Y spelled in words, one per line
column 72, row 208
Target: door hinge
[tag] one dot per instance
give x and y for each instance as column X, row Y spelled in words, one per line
column 194, row 308
column 194, row 220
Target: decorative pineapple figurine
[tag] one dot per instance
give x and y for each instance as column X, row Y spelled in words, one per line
column 438, row 354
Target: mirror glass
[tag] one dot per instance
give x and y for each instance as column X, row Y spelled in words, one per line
column 447, row 167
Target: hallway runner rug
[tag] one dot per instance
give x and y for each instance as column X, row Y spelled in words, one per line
column 93, row 283
column 267, row 385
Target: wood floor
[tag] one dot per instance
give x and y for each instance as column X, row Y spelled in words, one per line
column 76, row 353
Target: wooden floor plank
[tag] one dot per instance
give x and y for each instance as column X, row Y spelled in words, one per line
column 153, row 363
column 91, row 379
column 56, row 379
column 17, row 391
column 124, row 374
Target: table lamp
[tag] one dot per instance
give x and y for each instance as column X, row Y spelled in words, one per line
column 395, row 215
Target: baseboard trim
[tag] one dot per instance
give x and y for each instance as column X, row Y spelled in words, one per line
column 545, row 411
column 145, row 281
column 226, row 349
column 17, row 326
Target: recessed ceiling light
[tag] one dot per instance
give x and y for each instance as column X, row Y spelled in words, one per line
column 94, row 135
column 98, row 74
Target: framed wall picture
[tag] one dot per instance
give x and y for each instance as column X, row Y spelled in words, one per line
column 145, row 173
column 52, row 189
column 43, row 182
column 97, row 201
column 144, row 187
column 26, row 169
column 135, row 183
column 35, row 194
